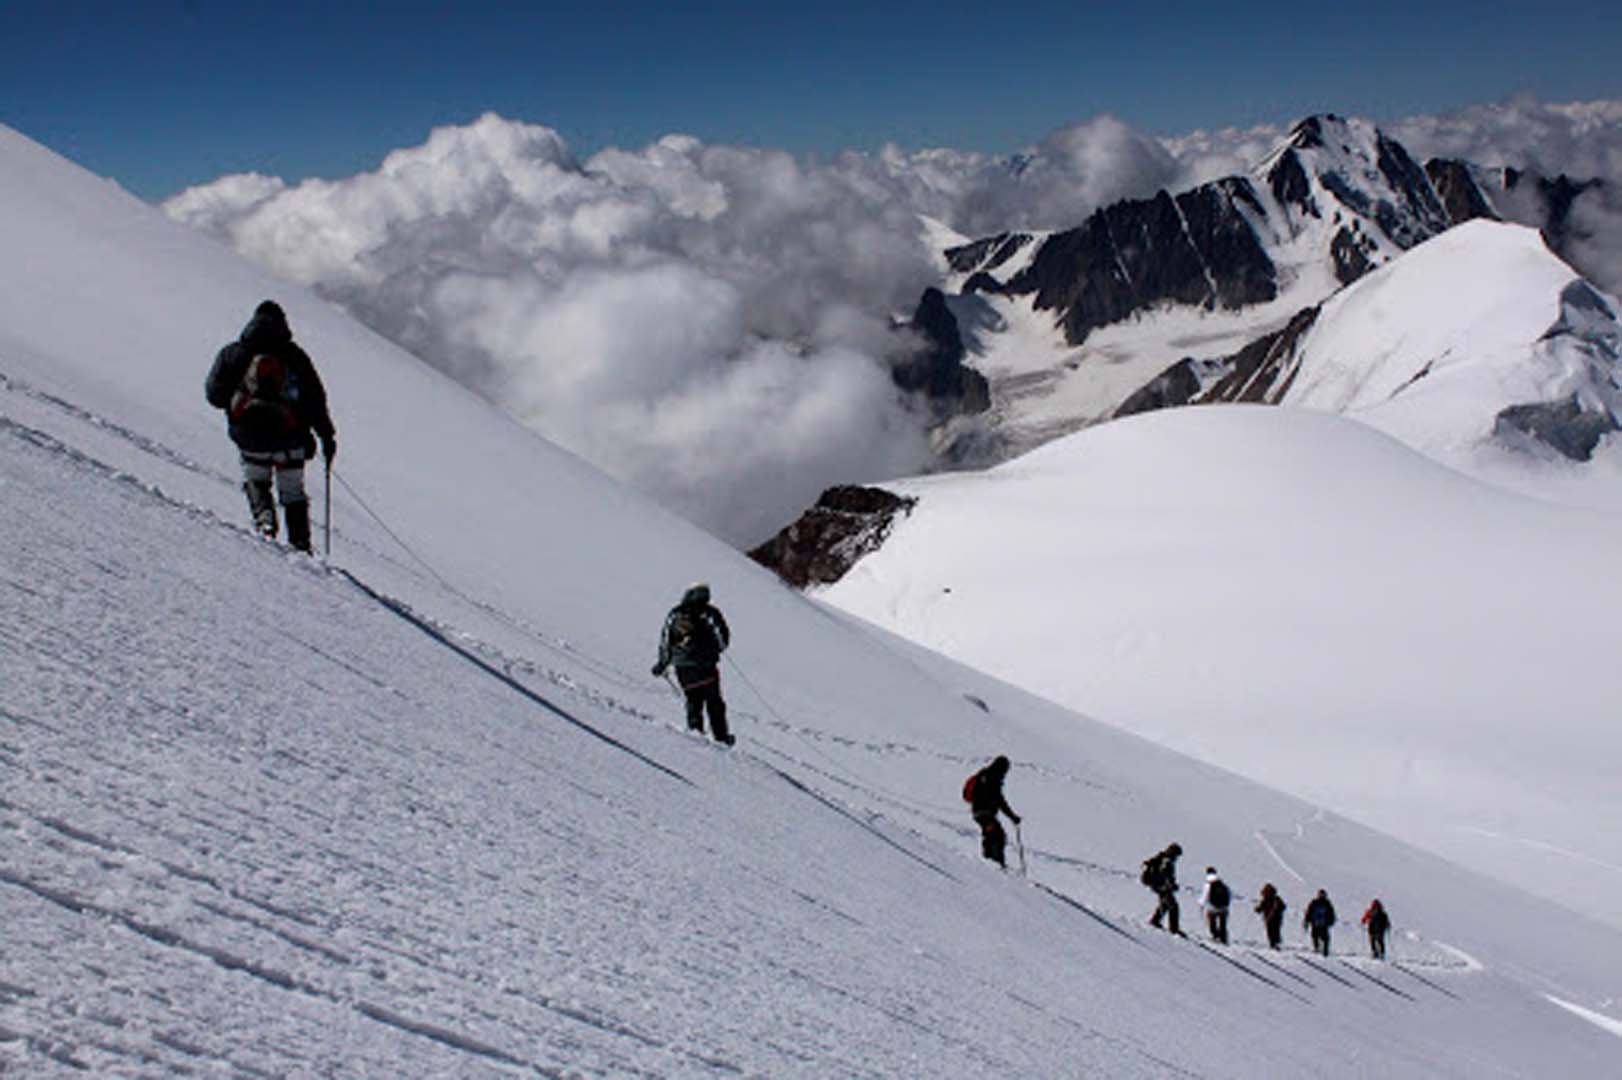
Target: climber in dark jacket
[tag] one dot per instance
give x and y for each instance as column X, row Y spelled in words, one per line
column 275, row 409
column 694, row 637
column 1379, row 923
column 1160, row 874
column 1318, row 918
column 1271, row 908
column 984, row 792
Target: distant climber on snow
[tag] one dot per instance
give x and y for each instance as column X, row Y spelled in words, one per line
column 275, row 408
column 1319, row 917
column 694, row 637
column 1214, row 902
column 1160, row 874
column 1271, row 908
column 1379, row 924
column 983, row 792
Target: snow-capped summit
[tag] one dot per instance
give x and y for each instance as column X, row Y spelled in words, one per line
column 1335, row 199
column 1479, row 348
column 1344, row 188
column 1211, row 295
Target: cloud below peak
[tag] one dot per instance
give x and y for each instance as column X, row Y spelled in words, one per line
column 714, row 324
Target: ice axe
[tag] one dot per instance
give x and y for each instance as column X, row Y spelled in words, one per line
column 326, row 526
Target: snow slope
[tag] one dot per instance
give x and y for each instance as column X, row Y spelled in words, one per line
column 1434, row 346
column 1305, row 601
column 420, row 810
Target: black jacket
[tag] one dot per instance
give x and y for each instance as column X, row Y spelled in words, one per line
column 702, row 647
column 267, row 332
column 1160, row 871
column 986, row 798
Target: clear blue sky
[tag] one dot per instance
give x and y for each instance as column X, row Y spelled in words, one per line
column 161, row 94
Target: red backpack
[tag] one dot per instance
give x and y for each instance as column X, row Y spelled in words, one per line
column 263, row 403
column 968, row 787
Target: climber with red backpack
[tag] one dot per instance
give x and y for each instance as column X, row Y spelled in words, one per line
column 275, row 408
column 983, row 792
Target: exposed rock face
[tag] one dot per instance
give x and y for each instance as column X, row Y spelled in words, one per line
column 1196, row 249
column 1566, row 426
column 1351, row 252
column 1558, row 196
column 1177, row 385
column 987, row 254
column 1261, row 372
column 1461, row 194
column 846, row 523
column 1588, row 338
column 937, row 371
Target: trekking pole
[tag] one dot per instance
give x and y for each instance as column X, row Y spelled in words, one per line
column 1019, row 838
column 327, row 524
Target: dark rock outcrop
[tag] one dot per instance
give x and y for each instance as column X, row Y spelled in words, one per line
column 1351, row 254
column 937, row 370
column 1259, row 373
column 1196, row 249
column 1566, row 426
column 987, row 254
column 1558, row 196
column 846, row 523
column 1288, row 181
column 1262, row 371
column 1418, row 213
column 1461, row 195
column 1177, row 385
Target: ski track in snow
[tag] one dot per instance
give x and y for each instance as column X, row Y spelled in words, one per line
column 1268, row 847
column 1599, row 1020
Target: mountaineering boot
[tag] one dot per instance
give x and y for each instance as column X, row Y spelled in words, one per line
column 718, row 718
column 262, row 505
column 298, row 524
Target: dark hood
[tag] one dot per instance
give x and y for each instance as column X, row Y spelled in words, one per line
column 265, row 331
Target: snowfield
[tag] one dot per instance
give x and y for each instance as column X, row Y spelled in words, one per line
column 420, row 810
column 1303, row 600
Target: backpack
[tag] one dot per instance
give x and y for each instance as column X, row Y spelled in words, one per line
column 1219, row 894
column 692, row 638
column 968, row 787
column 263, row 407
column 1153, row 872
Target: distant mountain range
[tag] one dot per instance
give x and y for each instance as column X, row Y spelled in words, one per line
column 1296, row 284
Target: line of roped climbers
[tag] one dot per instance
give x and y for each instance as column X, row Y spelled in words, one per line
column 983, row 791
column 276, row 409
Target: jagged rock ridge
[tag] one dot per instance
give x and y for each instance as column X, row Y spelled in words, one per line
column 1222, row 244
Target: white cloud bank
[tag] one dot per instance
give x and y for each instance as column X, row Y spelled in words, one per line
column 711, row 323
